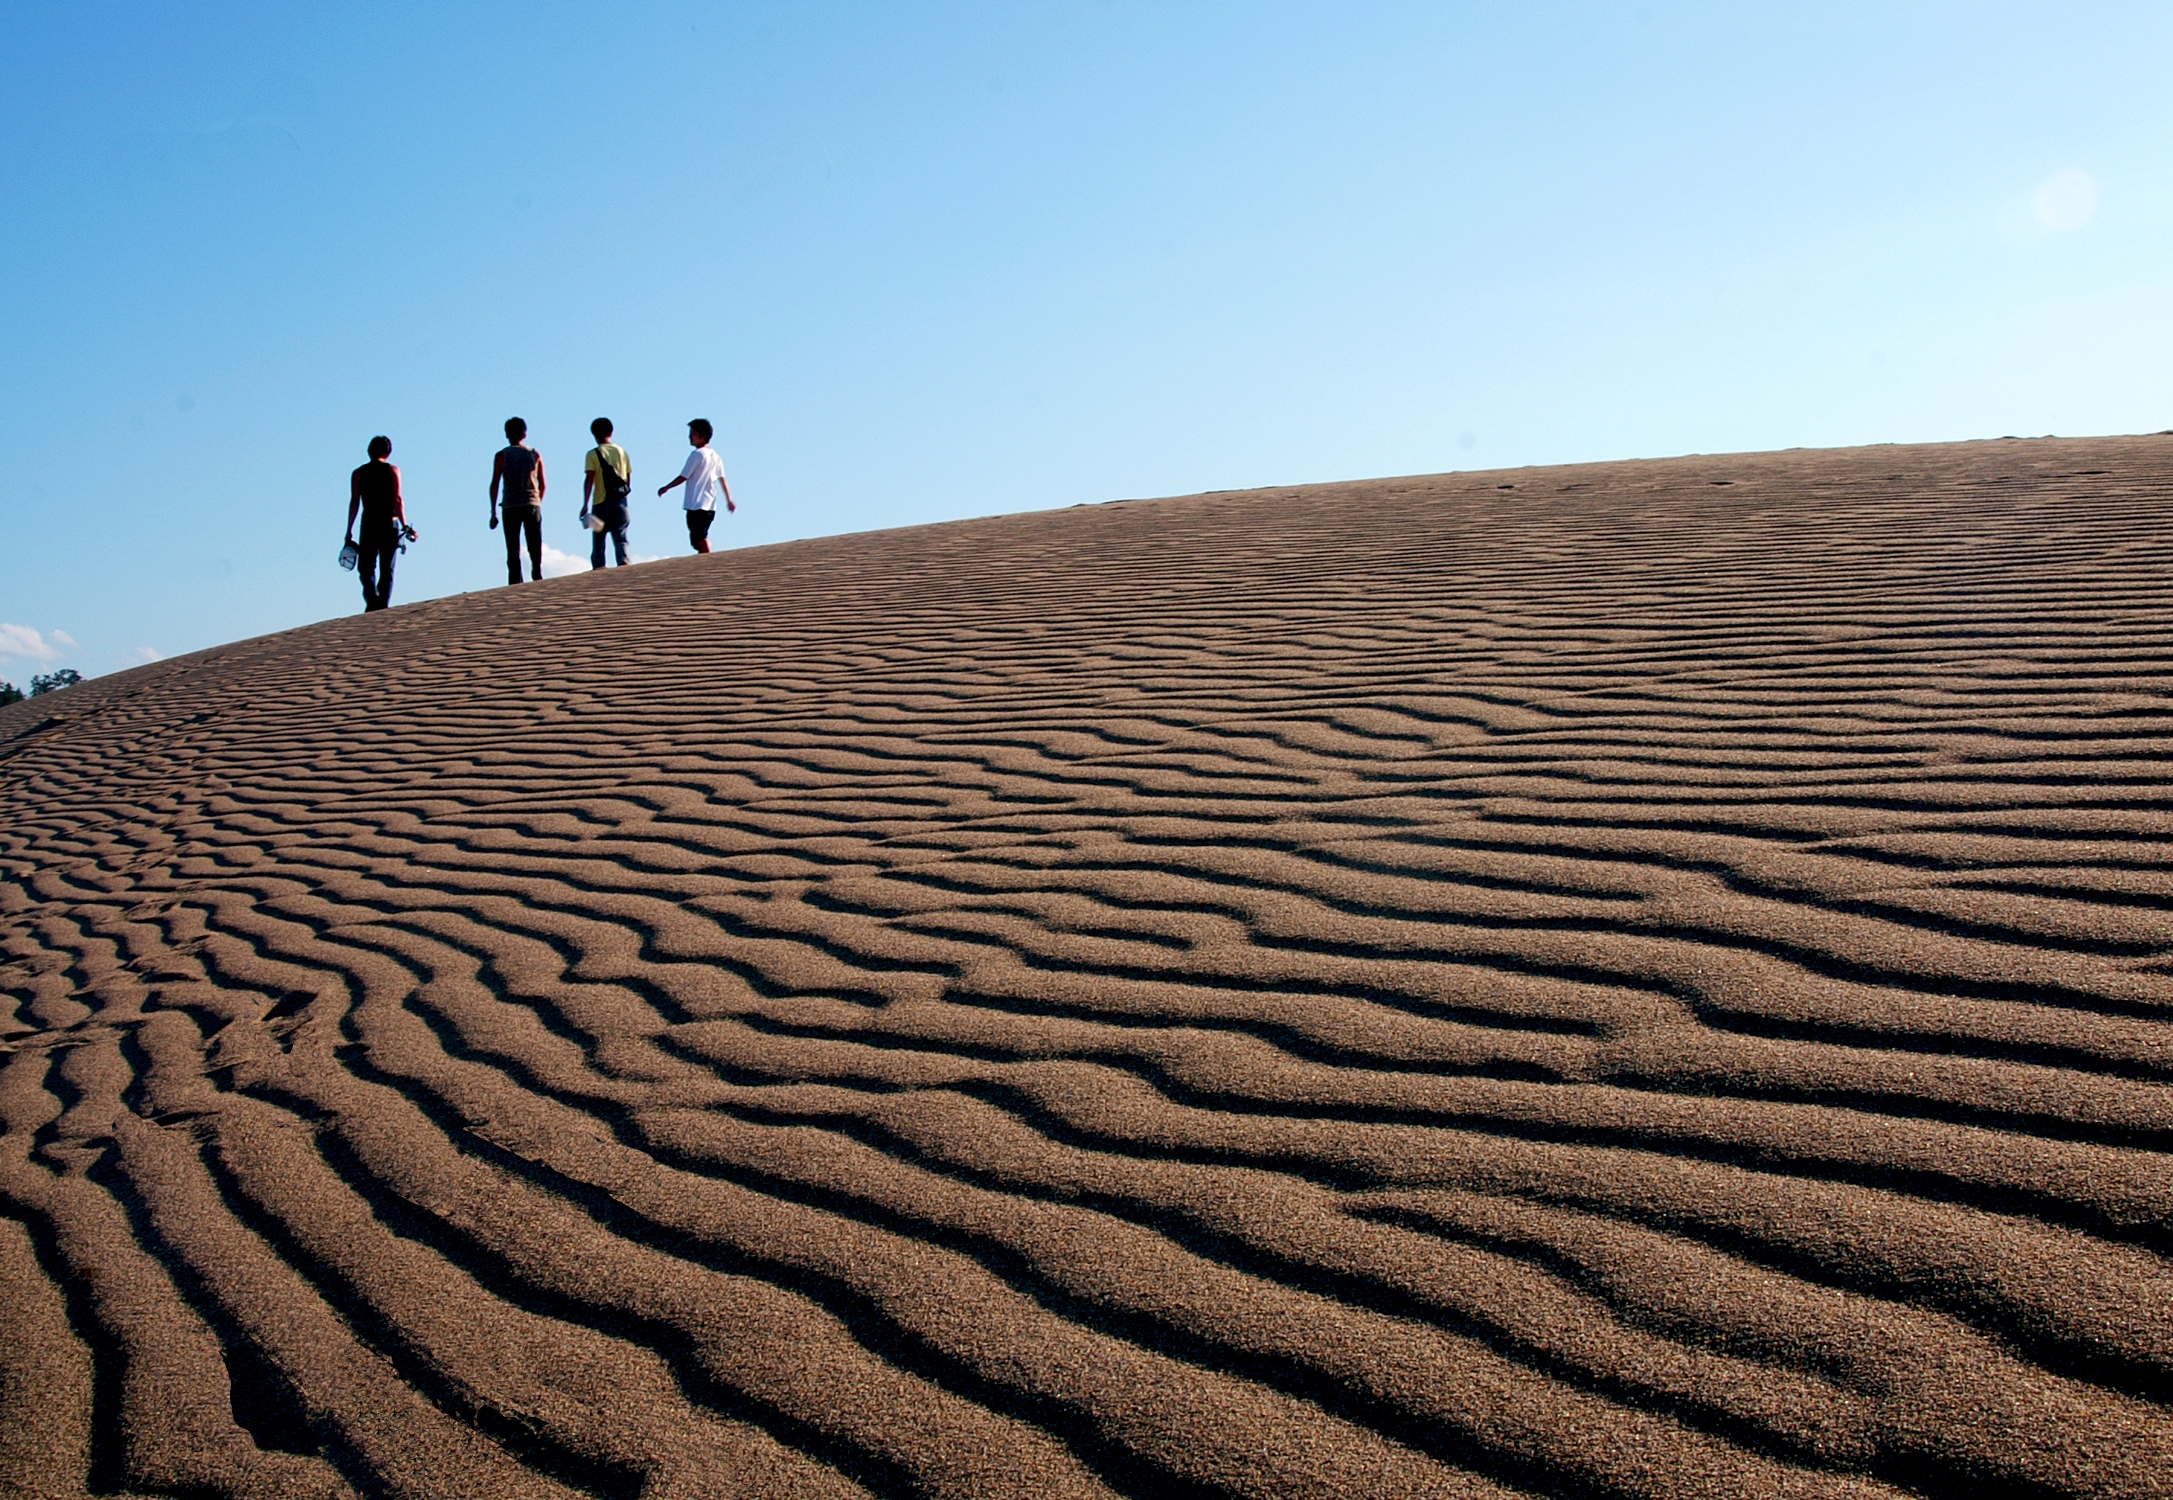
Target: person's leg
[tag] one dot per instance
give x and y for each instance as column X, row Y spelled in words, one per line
column 373, row 597
column 533, row 522
column 618, row 540
column 384, row 582
column 596, row 550
column 511, row 522
column 698, row 528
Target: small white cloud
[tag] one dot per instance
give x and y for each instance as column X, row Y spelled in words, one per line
column 62, row 638
column 146, row 653
column 2066, row 200
column 557, row 564
column 22, row 641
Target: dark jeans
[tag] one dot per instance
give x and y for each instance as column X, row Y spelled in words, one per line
column 614, row 519
column 517, row 519
column 698, row 522
column 379, row 548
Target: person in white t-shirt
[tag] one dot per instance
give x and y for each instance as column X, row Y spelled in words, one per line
column 704, row 478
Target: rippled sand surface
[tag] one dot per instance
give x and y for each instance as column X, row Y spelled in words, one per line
column 1640, row 979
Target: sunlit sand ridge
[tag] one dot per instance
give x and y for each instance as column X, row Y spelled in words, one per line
column 1642, row 979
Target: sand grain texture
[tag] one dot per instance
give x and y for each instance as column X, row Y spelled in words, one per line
column 1630, row 980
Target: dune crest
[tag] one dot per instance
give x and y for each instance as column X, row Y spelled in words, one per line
column 1641, row 979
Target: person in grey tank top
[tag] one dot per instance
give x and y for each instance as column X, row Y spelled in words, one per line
column 519, row 469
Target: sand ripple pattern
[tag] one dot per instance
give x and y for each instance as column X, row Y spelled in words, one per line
column 1633, row 980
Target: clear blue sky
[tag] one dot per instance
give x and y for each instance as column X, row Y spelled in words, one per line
column 922, row 262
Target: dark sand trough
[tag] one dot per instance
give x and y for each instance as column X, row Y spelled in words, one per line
column 1645, row 979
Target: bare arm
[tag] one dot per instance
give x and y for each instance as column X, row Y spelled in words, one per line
column 497, row 473
column 541, row 485
column 399, row 500
column 682, row 479
column 354, row 502
column 728, row 505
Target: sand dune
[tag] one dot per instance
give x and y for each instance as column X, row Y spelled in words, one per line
column 1643, row 979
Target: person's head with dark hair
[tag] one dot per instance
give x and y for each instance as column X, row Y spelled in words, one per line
column 600, row 429
column 380, row 447
column 516, row 429
column 700, row 430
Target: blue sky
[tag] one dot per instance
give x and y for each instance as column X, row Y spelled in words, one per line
column 923, row 262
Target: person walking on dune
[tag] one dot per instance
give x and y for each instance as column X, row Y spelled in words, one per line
column 519, row 468
column 704, row 478
column 374, row 491
column 607, row 479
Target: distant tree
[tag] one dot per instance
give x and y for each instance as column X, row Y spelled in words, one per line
column 10, row 693
column 47, row 682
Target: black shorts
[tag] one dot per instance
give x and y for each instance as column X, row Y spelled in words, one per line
column 698, row 523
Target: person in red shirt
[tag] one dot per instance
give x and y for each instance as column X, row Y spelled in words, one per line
column 519, row 468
